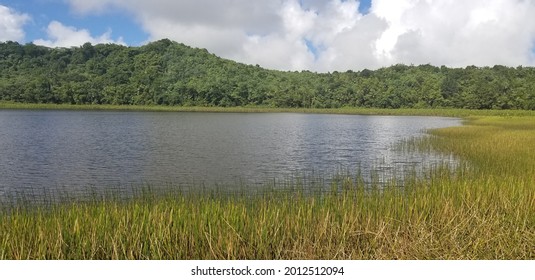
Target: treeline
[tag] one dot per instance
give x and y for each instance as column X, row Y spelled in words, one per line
column 169, row 73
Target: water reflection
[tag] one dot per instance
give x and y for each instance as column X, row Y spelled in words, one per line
column 45, row 150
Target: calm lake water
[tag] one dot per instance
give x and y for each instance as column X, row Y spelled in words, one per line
column 74, row 151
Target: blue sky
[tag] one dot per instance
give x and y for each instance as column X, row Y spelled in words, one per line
column 42, row 12
column 319, row 35
column 121, row 23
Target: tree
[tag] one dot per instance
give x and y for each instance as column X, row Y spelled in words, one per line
column 169, row 73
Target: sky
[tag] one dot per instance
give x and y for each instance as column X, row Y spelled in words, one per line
column 315, row 35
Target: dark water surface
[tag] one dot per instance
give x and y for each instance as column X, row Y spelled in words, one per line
column 42, row 151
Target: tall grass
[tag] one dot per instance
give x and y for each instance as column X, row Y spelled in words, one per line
column 482, row 209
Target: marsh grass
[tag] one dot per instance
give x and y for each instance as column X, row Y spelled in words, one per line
column 445, row 112
column 483, row 208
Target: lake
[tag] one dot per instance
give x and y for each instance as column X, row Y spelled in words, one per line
column 76, row 151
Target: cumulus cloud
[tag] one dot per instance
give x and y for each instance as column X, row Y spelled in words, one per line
column 67, row 36
column 328, row 35
column 478, row 32
column 11, row 24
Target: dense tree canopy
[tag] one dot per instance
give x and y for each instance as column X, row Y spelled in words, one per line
column 169, row 73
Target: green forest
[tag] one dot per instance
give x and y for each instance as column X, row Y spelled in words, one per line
column 170, row 73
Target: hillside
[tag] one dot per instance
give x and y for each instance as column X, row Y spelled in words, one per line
column 169, row 73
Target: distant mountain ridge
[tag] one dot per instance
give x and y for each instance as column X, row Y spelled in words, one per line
column 170, row 73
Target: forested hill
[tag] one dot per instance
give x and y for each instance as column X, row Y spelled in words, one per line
column 170, row 73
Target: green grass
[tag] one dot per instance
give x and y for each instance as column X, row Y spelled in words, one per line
column 449, row 112
column 482, row 209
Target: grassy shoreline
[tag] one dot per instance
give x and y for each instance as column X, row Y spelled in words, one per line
column 485, row 209
column 446, row 112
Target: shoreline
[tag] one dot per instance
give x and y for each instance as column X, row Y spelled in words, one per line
column 443, row 112
column 484, row 211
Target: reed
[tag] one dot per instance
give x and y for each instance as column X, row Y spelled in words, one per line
column 484, row 208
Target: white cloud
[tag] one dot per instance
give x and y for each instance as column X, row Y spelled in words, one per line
column 285, row 47
column 476, row 32
column 275, row 33
column 353, row 48
column 11, row 24
column 85, row 6
column 67, row 36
